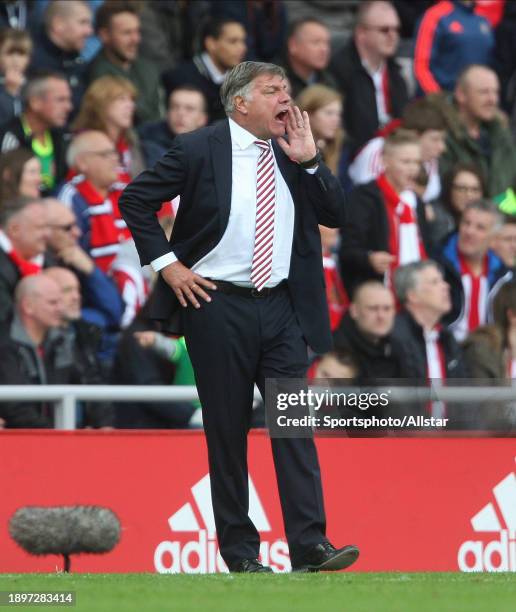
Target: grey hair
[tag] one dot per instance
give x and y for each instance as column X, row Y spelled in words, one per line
column 488, row 206
column 12, row 208
column 406, row 277
column 238, row 81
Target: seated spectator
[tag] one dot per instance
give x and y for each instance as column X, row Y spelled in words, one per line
column 490, row 354
column 94, row 159
column 473, row 269
column 85, row 338
column 20, row 174
column 367, row 74
column 58, row 44
column 308, row 55
column 23, row 242
column 47, row 101
column 427, row 349
column 382, row 229
column 265, row 22
column 95, row 205
column 491, row 349
column 223, row 43
column 186, row 112
column 365, row 332
column 504, row 242
column 336, row 295
column 324, row 107
column 144, row 358
column 108, row 106
column 32, row 352
column 101, row 302
column 424, row 116
column 335, row 364
column 15, row 52
column 462, row 184
column 450, row 37
column 477, row 134
column 117, row 24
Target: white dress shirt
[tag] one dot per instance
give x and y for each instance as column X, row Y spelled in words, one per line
column 230, row 260
column 381, row 102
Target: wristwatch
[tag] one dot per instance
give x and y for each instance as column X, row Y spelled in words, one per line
column 310, row 163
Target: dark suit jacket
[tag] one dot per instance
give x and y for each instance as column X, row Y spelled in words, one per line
column 367, row 229
column 199, row 167
column 360, row 112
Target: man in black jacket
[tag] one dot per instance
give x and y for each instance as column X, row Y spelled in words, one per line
column 428, row 351
column 85, row 340
column 368, row 76
column 365, row 332
column 34, row 352
column 308, row 55
column 224, row 47
column 246, row 245
column 23, row 241
column 58, row 45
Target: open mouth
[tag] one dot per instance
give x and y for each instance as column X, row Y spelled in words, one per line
column 282, row 117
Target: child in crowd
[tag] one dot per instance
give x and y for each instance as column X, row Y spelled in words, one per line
column 425, row 116
column 15, row 52
column 385, row 225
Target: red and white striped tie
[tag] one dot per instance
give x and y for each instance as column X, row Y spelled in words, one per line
column 261, row 268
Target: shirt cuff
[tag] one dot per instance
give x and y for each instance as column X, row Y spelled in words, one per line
column 312, row 170
column 160, row 262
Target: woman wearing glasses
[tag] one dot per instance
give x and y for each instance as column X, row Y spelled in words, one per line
column 463, row 184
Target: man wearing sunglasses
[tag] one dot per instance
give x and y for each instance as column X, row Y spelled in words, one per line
column 367, row 74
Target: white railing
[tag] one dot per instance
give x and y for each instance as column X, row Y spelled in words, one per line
column 65, row 397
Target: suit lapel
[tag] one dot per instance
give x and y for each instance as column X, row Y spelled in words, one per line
column 220, row 147
column 287, row 168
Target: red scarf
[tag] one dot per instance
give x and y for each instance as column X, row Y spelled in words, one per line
column 26, row 267
column 105, row 237
column 336, row 295
column 435, row 372
column 386, row 87
column 399, row 213
column 124, row 178
column 476, row 313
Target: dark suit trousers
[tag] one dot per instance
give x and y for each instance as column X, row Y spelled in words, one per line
column 233, row 342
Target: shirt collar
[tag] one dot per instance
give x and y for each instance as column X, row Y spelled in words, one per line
column 241, row 136
column 370, row 71
column 216, row 75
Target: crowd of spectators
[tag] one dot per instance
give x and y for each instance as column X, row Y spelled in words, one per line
column 412, row 106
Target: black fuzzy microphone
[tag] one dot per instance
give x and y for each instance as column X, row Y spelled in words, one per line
column 65, row 530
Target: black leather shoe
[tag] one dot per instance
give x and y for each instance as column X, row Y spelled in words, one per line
column 324, row 557
column 250, row 566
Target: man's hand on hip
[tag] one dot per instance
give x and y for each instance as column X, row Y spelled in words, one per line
column 186, row 284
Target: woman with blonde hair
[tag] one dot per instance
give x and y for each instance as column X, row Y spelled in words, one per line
column 108, row 106
column 324, row 107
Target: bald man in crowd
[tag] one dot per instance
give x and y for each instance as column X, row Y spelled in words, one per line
column 23, row 241
column 31, row 353
column 85, row 338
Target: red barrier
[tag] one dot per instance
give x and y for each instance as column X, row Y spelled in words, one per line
column 410, row 504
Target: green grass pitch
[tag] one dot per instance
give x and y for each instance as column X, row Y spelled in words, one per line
column 342, row 592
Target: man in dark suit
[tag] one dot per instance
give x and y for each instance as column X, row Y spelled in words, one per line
column 246, row 245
